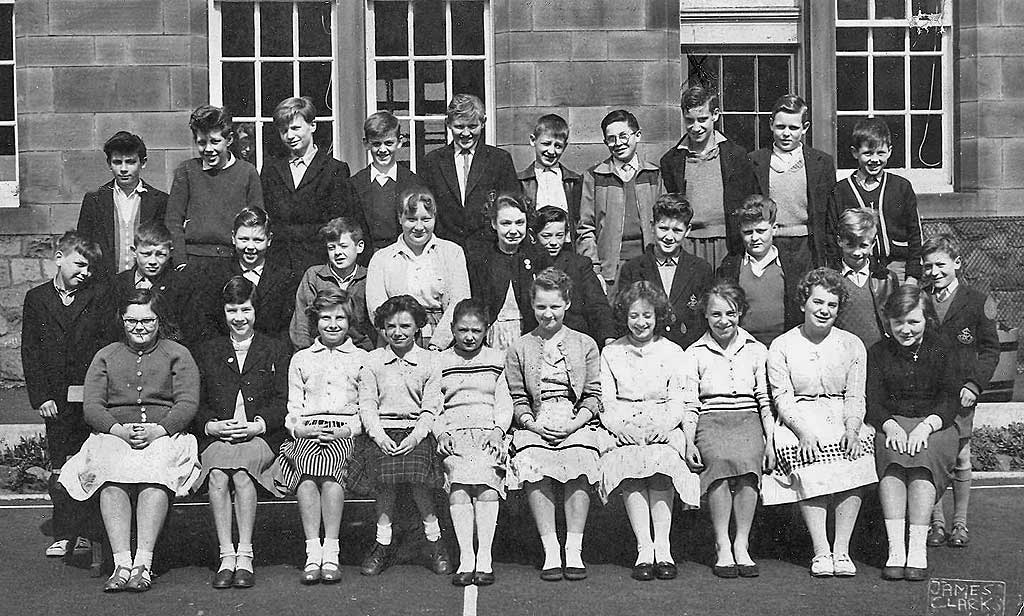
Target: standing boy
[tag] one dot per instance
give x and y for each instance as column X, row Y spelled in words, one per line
column 65, row 321
column 374, row 191
column 111, row 213
column 209, row 190
column 967, row 318
column 461, row 174
column 768, row 275
column 799, row 179
column 867, row 282
column 547, row 181
column 617, row 205
column 683, row 277
column 714, row 174
column 899, row 244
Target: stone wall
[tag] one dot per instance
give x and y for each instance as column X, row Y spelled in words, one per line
column 25, row 261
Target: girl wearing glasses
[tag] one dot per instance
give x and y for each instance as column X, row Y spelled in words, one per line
column 140, row 397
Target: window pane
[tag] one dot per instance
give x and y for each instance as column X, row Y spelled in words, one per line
column 899, row 142
column 889, row 87
column 772, row 80
column 468, row 28
column 738, row 83
column 238, row 84
column 403, row 155
column 740, row 128
column 925, row 83
column 890, row 9
column 844, row 128
column 889, row 39
column 430, row 135
column 244, row 146
column 315, row 82
column 468, row 77
column 275, row 29
column 851, row 84
column 926, row 141
column 393, row 87
column 6, row 92
column 236, row 29
column 852, row 9
column 6, row 32
column 324, row 135
column 7, row 148
column 314, row 29
column 704, row 71
column 764, row 131
column 273, row 147
column 851, row 39
column 428, row 27
column 929, row 39
column 431, row 96
column 391, row 31
column 925, row 6
column 277, row 85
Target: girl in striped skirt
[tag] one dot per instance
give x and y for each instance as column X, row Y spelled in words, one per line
column 323, row 418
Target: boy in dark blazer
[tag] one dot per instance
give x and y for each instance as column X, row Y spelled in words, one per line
column 65, row 321
column 799, row 179
column 461, row 174
column 110, row 214
column 547, row 182
column 304, row 190
column 967, row 320
column 665, row 264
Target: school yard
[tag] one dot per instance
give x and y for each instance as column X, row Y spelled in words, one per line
column 32, row 585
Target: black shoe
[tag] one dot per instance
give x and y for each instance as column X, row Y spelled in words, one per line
column 310, row 575
column 377, row 560
column 483, row 578
column 553, row 574
column 222, row 579
column 665, row 571
column 243, row 579
column 748, row 571
column 463, row 578
column 915, row 574
column 118, row 580
column 438, row 559
column 727, row 572
column 575, row 574
column 643, row 572
column 892, row 573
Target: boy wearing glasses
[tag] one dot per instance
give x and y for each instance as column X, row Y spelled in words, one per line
column 66, row 320
column 714, row 174
column 617, row 205
column 374, row 191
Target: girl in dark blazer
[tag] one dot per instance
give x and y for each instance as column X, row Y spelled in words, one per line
column 240, row 425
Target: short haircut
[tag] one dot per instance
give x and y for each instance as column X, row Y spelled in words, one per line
column 552, row 279
column 664, row 316
column 905, row 299
column 871, row 132
column 208, row 118
column 828, row 279
column 674, row 206
column 379, row 125
column 251, row 217
column 123, row 142
column 943, row 242
column 412, row 198
column 790, row 103
column 727, row 290
column 328, row 298
column 473, row 308
column 857, row 223
column 153, row 233
column 552, row 124
column 547, row 215
column 295, row 106
column 73, row 241
column 396, row 305
column 755, row 209
column 698, row 96
column 336, row 227
column 620, row 115
column 237, row 290
column 466, row 106
column 498, row 201
column 166, row 327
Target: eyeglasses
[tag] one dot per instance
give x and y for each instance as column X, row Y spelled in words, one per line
column 148, row 323
column 617, row 139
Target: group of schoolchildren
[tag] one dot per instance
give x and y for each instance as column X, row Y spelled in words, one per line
column 555, row 357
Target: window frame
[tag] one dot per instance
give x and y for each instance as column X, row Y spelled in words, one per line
column 411, row 58
column 216, row 60
column 10, row 189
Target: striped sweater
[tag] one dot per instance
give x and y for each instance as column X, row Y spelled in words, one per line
column 733, row 379
column 474, row 392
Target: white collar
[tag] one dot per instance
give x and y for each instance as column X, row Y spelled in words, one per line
column 139, row 189
column 231, row 161
column 759, row 266
column 376, row 175
column 948, row 291
column 539, row 169
column 306, row 158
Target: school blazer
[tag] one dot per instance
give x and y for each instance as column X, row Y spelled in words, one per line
column 492, row 170
column 738, row 183
column 57, row 346
column 589, row 311
column 970, row 331
column 821, row 178
column 572, row 185
column 523, row 366
column 297, row 212
column 693, row 277
column 96, row 219
column 263, row 381
column 359, row 186
column 792, row 271
column 489, row 283
column 274, row 300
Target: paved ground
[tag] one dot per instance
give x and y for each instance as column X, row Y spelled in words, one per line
column 30, row 584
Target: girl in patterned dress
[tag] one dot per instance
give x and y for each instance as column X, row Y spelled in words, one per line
column 554, row 376
column 470, row 435
column 322, row 419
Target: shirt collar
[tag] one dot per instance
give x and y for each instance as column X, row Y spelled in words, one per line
column 711, row 151
column 634, row 163
column 345, row 347
column 231, row 161
column 258, row 269
column 760, row 265
column 390, row 174
column 62, row 291
column 459, row 151
column 742, row 338
column 404, row 249
column 948, row 291
column 413, row 357
column 539, row 169
column 671, row 261
column 305, row 158
column 138, row 190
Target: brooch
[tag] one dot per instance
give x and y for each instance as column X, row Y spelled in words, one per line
column 692, row 304
column 231, row 360
column 965, row 336
column 527, row 264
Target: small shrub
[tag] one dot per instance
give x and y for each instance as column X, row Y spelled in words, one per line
column 987, row 442
column 27, row 453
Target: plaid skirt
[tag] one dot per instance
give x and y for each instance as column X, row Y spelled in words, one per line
column 308, row 457
column 371, row 468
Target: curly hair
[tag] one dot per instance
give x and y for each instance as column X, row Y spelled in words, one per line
column 398, row 304
column 552, row 279
column 828, row 279
column 727, row 290
column 641, row 290
column 329, row 298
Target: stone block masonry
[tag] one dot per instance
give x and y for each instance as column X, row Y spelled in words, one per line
column 25, row 261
